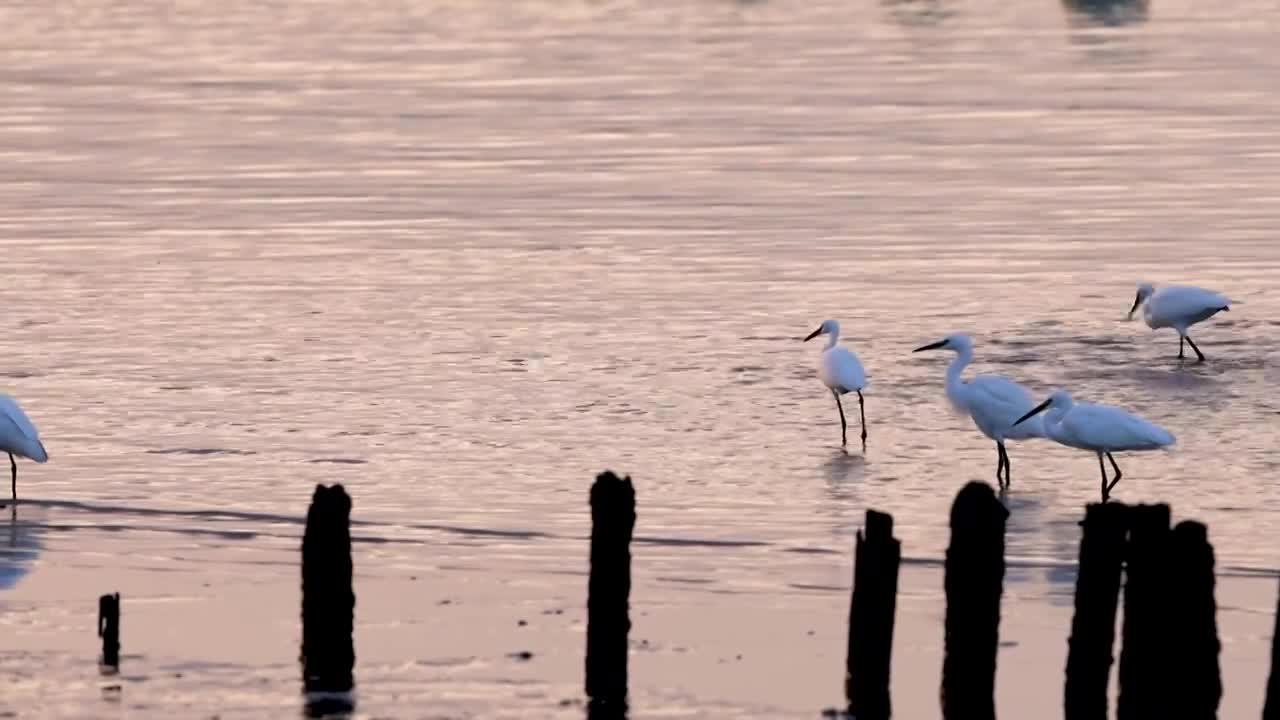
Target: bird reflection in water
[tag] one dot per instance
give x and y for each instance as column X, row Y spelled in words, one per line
column 1109, row 13
column 842, row 468
column 21, row 549
column 919, row 13
column 844, row 473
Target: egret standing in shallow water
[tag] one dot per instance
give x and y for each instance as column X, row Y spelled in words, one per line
column 841, row 372
column 1178, row 307
column 18, row 436
column 992, row 401
column 1101, row 428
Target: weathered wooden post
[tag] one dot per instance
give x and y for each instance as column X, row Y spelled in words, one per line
column 613, row 518
column 1093, row 627
column 1194, row 685
column 328, row 601
column 871, row 614
column 1144, row 659
column 109, row 630
column 1271, row 710
column 974, row 579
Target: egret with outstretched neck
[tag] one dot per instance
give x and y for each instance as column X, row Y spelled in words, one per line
column 1102, row 429
column 840, row 370
column 1178, row 307
column 992, row 401
column 18, row 436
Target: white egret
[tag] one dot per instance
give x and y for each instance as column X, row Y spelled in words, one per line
column 841, row 372
column 1102, row 429
column 1178, row 307
column 18, row 436
column 992, row 401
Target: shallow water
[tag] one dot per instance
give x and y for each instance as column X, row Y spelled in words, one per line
column 463, row 256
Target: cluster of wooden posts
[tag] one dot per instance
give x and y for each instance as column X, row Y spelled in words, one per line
column 1168, row 582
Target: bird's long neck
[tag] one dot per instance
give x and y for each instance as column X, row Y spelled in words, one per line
column 1053, row 418
column 833, row 337
column 957, row 366
column 1055, row 415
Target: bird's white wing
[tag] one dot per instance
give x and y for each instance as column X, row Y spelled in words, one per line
column 841, row 369
column 1109, row 428
column 1002, row 390
column 18, row 432
column 10, row 409
column 997, row 402
column 1185, row 301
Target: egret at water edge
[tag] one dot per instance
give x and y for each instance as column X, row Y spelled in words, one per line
column 840, row 370
column 1103, row 429
column 18, row 436
column 1178, row 307
column 992, row 401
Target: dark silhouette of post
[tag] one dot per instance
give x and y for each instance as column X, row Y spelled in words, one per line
column 974, row 578
column 871, row 611
column 613, row 518
column 1271, row 710
column 1144, row 659
column 109, row 629
column 1194, row 684
column 1093, row 627
column 328, row 602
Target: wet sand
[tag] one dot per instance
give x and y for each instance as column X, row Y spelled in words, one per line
column 215, row 631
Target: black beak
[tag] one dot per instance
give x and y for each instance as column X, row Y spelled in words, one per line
column 1034, row 411
column 1137, row 300
column 814, row 334
column 934, row 346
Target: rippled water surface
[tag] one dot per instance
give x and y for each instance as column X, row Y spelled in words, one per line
column 462, row 256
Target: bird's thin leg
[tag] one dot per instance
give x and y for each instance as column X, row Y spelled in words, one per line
column 1119, row 474
column 1105, row 490
column 1004, row 458
column 14, row 464
column 1008, row 466
column 1000, row 461
column 862, row 414
column 844, row 440
column 1193, row 347
column 1182, row 341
